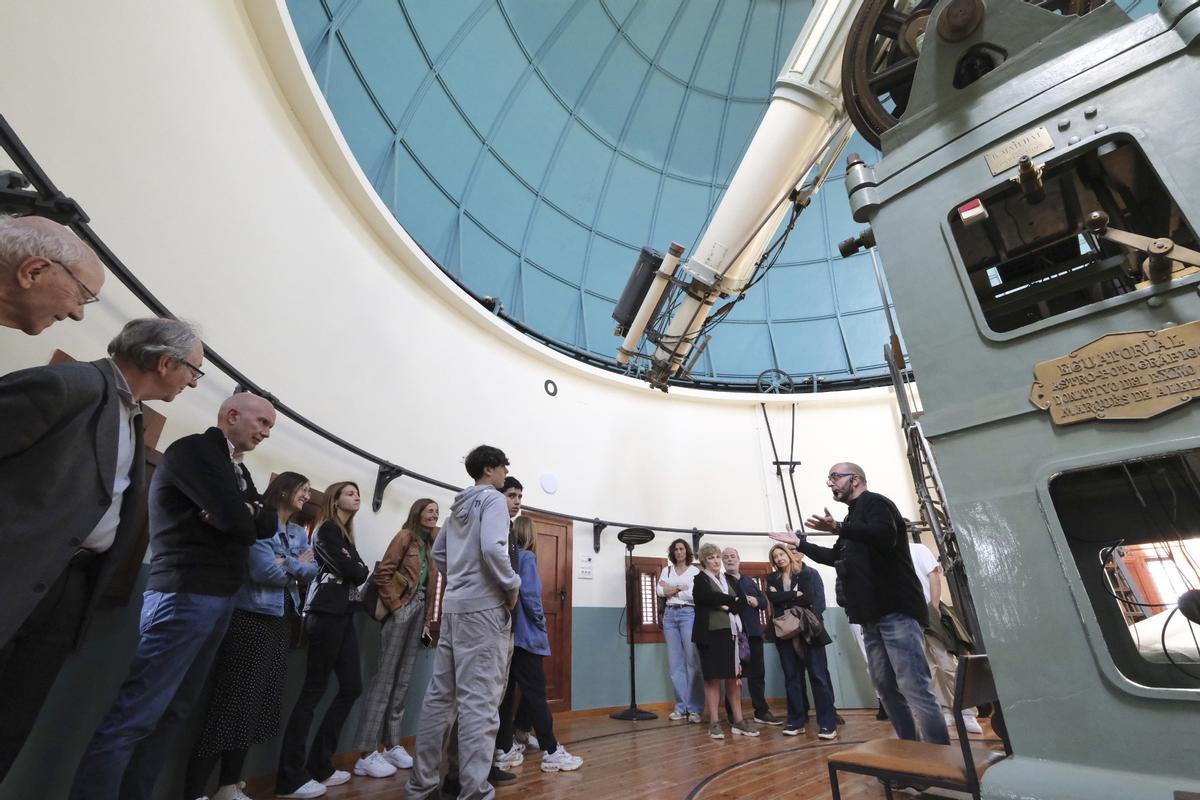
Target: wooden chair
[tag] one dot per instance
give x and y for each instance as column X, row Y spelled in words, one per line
column 947, row 766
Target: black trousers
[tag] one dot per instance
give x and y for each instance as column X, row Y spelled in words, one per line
column 30, row 661
column 200, row 767
column 754, row 672
column 528, row 672
column 332, row 649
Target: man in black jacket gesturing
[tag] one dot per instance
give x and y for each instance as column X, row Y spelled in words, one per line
column 204, row 515
column 878, row 587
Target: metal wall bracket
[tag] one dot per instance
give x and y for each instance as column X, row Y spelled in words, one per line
column 597, row 528
column 387, row 474
column 696, row 534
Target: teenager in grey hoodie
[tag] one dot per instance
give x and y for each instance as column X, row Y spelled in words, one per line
column 470, row 667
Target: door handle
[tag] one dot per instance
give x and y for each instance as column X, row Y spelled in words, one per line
column 562, row 595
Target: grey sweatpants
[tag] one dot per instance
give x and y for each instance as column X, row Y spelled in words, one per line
column 470, row 670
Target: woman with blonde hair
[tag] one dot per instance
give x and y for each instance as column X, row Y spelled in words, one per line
column 531, row 645
column 718, row 600
column 792, row 584
column 406, row 578
column 332, row 648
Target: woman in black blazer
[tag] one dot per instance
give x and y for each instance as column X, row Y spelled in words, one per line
column 332, row 648
column 718, row 599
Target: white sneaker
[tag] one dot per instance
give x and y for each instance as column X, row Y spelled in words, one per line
column 231, row 792
column 310, row 789
column 972, row 725
column 561, row 761
column 675, row 716
column 374, row 765
column 338, row 777
column 510, row 758
column 398, row 757
column 694, row 717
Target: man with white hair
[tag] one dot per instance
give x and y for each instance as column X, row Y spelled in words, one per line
column 46, row 274
column 71, row 488
column 204, row 516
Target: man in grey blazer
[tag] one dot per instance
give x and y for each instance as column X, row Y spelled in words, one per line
column 46, row 274
column 71, row 493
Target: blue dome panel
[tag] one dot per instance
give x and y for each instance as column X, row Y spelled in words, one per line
column 443, row 141
column 629, row 203
column 866, row 334
column 609, row 264
column 582, row 165
column 482, row 93
column 558, row 245
column 500, row 201
column 800, row 291
column 811, row 347
column 614, row 90
column 557, row 312
column 855, row 284
column 386, row 54
column 530, row 132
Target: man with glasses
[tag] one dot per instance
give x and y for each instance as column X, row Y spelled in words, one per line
column 71, row 489
column 878, row 587
column 204, row 516
column 46, row 274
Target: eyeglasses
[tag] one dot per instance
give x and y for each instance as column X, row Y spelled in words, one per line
column 197, row 373
column 833, row 476
column 89, row 296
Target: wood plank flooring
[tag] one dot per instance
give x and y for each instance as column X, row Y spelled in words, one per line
column 663, row 760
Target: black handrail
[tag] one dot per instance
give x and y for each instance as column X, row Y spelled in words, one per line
column 47, row 200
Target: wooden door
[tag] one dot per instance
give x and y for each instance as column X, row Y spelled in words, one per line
column 554, row 568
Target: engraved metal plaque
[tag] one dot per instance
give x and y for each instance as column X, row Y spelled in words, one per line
column 1029, row 143
column 1135, row 375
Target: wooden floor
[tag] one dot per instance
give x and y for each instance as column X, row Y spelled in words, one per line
column 663, row 760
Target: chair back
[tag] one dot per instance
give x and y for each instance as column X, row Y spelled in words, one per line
column 975, row 686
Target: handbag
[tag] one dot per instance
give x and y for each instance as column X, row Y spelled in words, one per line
column 368, row 595
column 787, row 625
column 743, row 647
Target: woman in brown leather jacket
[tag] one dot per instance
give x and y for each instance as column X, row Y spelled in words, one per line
column 405, row 577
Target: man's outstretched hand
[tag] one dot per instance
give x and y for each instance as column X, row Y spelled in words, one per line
column 821, row 523
column 787, row 537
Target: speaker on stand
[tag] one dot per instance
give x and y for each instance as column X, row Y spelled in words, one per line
column 631, row 537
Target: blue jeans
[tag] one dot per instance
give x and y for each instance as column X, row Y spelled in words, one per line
column 180, row 636
column 684, row 659
column 896, row 659
column 817, row 666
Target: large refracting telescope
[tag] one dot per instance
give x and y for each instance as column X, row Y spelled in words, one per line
column 802, row 130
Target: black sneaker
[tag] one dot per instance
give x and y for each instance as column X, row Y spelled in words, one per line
column 792, row 730
column 881, row 715
column 840, row 720
column 827, row 733
column 767, row 719
column 498, row 775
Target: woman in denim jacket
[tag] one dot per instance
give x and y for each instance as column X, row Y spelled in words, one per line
column 531, row 645
column 252, row 662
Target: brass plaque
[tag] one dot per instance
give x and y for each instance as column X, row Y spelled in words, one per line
column 1029, row 143
column 1135, row 375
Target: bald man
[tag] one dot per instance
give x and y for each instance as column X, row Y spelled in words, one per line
column 204, row 516
column 46, row 274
